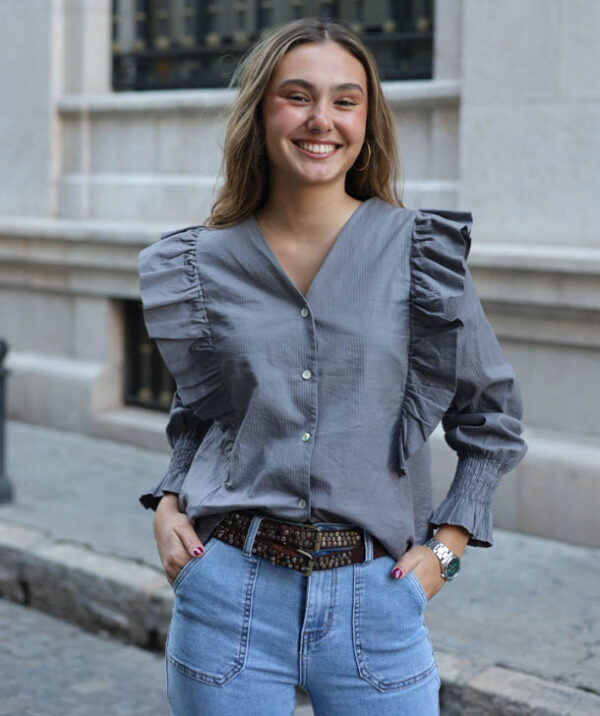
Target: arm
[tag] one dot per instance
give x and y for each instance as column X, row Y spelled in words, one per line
column 483, row 425
column 185, row 432
column 175, row 536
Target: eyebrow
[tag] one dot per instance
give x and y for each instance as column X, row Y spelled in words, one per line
column 310, row 86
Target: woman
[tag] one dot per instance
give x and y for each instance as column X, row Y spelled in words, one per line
column 318, row 331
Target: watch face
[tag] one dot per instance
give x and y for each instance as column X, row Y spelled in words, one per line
column 453, row 567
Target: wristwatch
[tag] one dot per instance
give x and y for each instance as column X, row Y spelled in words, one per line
column 450, row 562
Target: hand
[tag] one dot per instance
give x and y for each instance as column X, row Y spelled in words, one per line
column 176, row 538
column 426, row 567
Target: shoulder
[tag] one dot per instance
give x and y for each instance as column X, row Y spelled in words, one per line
column 431, row 230
column 443, row 230
column 180, row 247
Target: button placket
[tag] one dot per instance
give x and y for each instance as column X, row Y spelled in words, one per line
column 307, row 375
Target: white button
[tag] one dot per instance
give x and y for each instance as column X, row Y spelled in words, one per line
column 305, row 437
column 306, row 374
column 304, row 312
column 301, row 503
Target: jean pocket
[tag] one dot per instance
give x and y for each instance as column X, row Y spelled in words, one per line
column 414, row 580
column 190, row 565
column 391, row 642
column 210, row 624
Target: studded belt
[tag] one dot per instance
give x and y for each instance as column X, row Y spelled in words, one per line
column 304, row 548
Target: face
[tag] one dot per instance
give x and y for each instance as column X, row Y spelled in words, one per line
column 314, row 114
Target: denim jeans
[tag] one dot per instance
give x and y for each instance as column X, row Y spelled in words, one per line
column 244, row 632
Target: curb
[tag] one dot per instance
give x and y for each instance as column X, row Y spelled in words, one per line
column 122, row 598
column 132, row 602
column 470, row 689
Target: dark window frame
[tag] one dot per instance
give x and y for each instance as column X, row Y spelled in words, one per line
column 147, row 382
column 177, row 43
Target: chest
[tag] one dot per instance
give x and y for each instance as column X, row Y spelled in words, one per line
column 301, row 261
column 344, row 305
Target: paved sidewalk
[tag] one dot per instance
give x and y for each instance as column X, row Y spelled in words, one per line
column 50, row 667
column 54, row 668
column 518, row 632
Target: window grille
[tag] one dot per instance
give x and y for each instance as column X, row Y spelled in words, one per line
column 176, row 44
column 148, row 384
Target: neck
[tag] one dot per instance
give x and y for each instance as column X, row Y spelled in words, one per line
column 307, row 211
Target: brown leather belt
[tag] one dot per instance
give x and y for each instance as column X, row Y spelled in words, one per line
column 299, row 547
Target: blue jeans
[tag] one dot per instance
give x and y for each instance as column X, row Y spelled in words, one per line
column 244, row 632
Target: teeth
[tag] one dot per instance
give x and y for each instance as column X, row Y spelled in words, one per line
column 317, row 148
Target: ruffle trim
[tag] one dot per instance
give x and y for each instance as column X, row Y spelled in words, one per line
column 469, row 499
column 176, row 318
column 440, row 245
column 476, row 518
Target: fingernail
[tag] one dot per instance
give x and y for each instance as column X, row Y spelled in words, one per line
column 198, row 551
column 397, row 572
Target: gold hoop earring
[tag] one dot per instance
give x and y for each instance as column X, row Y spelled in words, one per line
column 361, row 169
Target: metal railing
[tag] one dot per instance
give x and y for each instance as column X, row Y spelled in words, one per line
column 148, row 384
column 176, row 44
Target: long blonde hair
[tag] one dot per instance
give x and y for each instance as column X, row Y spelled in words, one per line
column 244, row 164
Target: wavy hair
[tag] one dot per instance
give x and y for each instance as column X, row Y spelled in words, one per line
column 244, row 164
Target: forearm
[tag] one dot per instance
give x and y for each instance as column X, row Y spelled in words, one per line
column 454, row 537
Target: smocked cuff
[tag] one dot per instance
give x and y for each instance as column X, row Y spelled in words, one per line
column 468, row 503
column 184, row 451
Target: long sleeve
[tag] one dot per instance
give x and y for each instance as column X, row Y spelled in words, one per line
column 176, row 319
column 185, row 432
column 483, row 424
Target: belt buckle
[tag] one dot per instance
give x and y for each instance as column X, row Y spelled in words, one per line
column 311, row 563
column 317, row 548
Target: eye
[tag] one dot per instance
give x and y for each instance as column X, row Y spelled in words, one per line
column 296, row 97
column 347, row 103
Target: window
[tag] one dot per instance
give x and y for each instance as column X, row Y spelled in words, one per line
column 176, row 44
column 148, row 384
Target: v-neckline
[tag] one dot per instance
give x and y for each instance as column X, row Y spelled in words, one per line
column 335, row 246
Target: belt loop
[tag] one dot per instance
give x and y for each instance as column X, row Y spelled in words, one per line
column 251, row 534
column 368, row 546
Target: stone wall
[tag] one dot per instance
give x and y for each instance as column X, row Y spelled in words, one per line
column 507, row 129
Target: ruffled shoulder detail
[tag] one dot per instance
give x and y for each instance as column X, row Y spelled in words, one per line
column 176, row 318
column 440, row 245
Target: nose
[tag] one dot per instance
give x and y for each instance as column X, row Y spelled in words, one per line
column 319, row 118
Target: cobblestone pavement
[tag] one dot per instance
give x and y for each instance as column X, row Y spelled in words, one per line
column 51, row 668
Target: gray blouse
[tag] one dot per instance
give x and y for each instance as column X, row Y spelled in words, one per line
column 318, row 408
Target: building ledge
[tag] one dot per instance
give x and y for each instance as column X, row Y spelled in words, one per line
column 420, row 93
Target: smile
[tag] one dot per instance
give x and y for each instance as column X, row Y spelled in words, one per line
column 316, row 149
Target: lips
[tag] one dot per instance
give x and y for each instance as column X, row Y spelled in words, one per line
column 316, row 150
column 333, row 145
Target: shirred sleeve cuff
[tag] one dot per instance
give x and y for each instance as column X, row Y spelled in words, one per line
column 183, row 453
column 468, row 503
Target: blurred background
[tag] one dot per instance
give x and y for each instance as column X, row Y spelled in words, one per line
column 112, row 131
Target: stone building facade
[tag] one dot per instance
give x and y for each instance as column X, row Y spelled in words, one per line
column 508, row 128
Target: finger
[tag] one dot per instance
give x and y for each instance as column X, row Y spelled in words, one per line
column 405, row 564
column 189, row 539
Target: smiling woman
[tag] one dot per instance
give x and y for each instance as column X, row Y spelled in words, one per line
column 324, row 330
column 323, row 119
column 322, row 84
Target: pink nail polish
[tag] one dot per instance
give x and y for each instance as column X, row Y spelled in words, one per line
column 397, row 572
column 198, row 551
